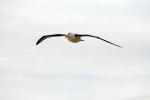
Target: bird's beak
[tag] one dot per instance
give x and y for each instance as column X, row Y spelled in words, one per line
column 65, row 36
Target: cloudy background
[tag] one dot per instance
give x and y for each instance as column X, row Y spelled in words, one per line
column 59, row 70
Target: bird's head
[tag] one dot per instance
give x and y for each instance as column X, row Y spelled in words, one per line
column 67, row 35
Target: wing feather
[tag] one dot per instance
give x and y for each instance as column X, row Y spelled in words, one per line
column 97, row 38
column 48, row 36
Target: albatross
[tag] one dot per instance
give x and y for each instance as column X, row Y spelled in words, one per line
column 73, row 37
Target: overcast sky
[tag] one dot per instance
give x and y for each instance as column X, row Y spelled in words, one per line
column 59, row 70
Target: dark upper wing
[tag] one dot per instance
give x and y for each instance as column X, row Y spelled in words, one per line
column 98, row 38
column 48, row 36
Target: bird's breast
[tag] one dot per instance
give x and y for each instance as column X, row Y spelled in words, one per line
column 74, row 39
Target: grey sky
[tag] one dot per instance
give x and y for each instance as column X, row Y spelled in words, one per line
column 59, row 70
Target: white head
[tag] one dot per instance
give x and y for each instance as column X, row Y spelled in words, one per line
column 69, row 35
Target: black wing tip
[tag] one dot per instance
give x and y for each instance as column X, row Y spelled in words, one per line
column 41, row 39
column 37, row 43
column 119, row 46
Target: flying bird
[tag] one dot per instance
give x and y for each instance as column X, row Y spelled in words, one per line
column 72, row 37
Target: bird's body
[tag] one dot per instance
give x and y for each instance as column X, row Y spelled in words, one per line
column 72, row 37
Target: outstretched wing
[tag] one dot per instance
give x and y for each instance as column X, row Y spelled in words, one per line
column 48, row 36
column 97, row 38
